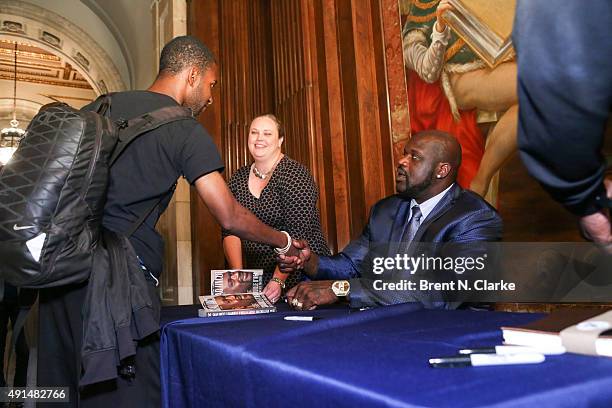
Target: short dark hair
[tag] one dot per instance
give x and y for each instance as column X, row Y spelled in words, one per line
column 183, row 52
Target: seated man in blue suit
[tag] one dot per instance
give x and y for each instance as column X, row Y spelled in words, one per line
column 429, row 207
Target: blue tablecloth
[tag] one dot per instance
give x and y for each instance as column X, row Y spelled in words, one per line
column 371, row 358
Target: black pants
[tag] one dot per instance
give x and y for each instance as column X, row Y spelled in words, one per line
column 60, row 337
column 9, row 309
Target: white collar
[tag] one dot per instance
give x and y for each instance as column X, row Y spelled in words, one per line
column 428, row 205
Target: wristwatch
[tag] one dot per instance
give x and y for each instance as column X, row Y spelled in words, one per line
column 341, row 288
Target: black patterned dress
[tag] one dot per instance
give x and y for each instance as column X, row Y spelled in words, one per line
column 287, row 203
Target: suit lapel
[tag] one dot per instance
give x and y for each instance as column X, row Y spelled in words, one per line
column 400, row 221
column 443, row 206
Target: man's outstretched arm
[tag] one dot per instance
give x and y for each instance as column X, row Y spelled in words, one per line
column 233, row 217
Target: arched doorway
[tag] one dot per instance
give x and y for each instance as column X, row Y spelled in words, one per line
column 56, row 61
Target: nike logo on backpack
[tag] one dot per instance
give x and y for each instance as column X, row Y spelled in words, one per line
column 18, row 228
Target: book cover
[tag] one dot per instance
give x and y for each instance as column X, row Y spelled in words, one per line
column 544, row 334
column 236, row 304
column 485, row 26
column 232, row 281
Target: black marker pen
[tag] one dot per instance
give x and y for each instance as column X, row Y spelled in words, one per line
column 499, row 350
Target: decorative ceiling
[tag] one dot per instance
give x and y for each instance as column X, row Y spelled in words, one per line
column 42, row 77
column 71, row 51
column 38, row 66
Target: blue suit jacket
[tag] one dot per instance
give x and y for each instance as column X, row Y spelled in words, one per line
column 461, row 216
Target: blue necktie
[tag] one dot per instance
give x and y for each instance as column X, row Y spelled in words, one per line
column 413, row 224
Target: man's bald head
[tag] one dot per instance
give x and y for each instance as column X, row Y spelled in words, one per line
column 445, row 147
column 430, row 165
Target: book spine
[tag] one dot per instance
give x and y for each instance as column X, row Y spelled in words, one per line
column 212, row 313
column 216, row 284
column 257, row 281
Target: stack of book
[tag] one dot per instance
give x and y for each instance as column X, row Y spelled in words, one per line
column 235, row 292
column 545, row 334
column 485, row 26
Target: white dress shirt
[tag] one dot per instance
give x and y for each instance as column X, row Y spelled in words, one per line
column 428, row 205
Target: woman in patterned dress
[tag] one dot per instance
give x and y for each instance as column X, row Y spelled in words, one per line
column 280, row 192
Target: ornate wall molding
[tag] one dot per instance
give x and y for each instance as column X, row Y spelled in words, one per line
column 56, row 34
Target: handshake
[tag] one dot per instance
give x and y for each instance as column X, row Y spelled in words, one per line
column 306, row 295
column 298, row 256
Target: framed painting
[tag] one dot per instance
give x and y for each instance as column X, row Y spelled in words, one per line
column 461, row 78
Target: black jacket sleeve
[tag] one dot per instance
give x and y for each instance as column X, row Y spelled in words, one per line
column 565, row 95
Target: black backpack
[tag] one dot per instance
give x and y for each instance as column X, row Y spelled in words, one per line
column 53, row 190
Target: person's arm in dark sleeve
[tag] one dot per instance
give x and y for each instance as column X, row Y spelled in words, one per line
column 347, row 264
column 565, row 95
column 344, row 265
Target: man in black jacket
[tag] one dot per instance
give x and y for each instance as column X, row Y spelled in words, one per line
column 9, row 309
column 565, row 96
column 146, row 171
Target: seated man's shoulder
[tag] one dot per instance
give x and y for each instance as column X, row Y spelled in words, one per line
column 389, row 203
column 471, row 218
column 470, row 201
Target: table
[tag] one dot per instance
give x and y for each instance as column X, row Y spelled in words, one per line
column 372, row 358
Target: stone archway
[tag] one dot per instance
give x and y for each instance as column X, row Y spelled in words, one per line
column 50, row 31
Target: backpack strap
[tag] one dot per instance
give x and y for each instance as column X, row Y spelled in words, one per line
column 26, row 299
column 146, row 214
column 102, row 105
column 130, row 130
